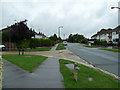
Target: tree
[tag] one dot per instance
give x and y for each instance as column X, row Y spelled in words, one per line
column 54, row 38
column 75, row 38
column 17, row 32
column 5, row 35
column 70, row 38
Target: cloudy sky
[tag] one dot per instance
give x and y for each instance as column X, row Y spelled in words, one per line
column 76, row 16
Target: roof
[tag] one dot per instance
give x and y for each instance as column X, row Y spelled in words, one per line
column 105, row 31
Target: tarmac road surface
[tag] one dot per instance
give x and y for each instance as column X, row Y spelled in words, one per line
column 105, row 60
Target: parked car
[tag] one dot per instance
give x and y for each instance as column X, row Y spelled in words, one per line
column 65, row 43
column 2, row 47
column 115, row 43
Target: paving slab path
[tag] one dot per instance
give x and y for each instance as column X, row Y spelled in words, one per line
column 47, row 75
column 54, row 48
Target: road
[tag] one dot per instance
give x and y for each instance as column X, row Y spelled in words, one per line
column 105, row 60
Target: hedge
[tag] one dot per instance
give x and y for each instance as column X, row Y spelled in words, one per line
column 35, row 42
column 100, row 42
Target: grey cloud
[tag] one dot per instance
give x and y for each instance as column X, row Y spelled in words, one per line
column 76, row 17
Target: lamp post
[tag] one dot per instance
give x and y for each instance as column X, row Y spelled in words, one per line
column 59, row 30
column 118, row 16
column 115, row 7
column 118, row 12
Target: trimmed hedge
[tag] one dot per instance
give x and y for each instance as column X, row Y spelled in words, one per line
column 35, row 42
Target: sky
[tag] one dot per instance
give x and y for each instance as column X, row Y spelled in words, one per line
column 84, row 17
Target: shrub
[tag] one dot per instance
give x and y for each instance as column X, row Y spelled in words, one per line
column 23, row 43
column 100, row 42
column 85, row 41
column 103, row 43
column 34, row 42
column 119, row 43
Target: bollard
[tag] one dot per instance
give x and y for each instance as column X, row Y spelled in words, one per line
column 22, row 51
column 75, row 72
column 19, row 51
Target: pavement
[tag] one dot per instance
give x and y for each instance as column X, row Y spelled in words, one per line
column 47, row 75
column 59, row 54
column 50, row 64
column 54, row 48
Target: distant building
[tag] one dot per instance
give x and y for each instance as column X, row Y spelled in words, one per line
column 108, row 35
column 40, row 35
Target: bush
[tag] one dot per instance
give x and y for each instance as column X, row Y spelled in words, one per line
column 100, row 42
column 119, row 43
column 35, row 42
column 103, row 43
column 23, row 43
column 85, row 41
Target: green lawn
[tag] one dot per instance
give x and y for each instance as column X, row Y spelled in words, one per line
column 113, row 50
column 26, row 62
column 38, row 49
column 60, row 47
column 100, row 80
column 89, row 46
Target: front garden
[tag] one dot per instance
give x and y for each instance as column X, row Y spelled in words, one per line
column 26, row 62
column 87, row 77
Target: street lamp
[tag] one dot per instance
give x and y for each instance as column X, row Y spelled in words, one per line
column 115, row 7
column 59, row 30
column 118, row 12
column 118, row 17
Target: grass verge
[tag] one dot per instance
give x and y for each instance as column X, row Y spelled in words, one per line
column 60, row 47
column 89, row 46
column 113, row 50
column 100, row 80
column 26, row 62
column 38, row 49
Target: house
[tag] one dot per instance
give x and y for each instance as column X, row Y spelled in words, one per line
column 40, row 35
column 108, row 34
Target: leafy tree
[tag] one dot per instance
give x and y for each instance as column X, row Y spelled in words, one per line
column 70, row 38
column 75, row 38
column 17, row 32
column 5, row 35
column 85, row 41
column 54, row 38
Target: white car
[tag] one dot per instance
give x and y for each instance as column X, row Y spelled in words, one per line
column 65, row 43
column 2, row 47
